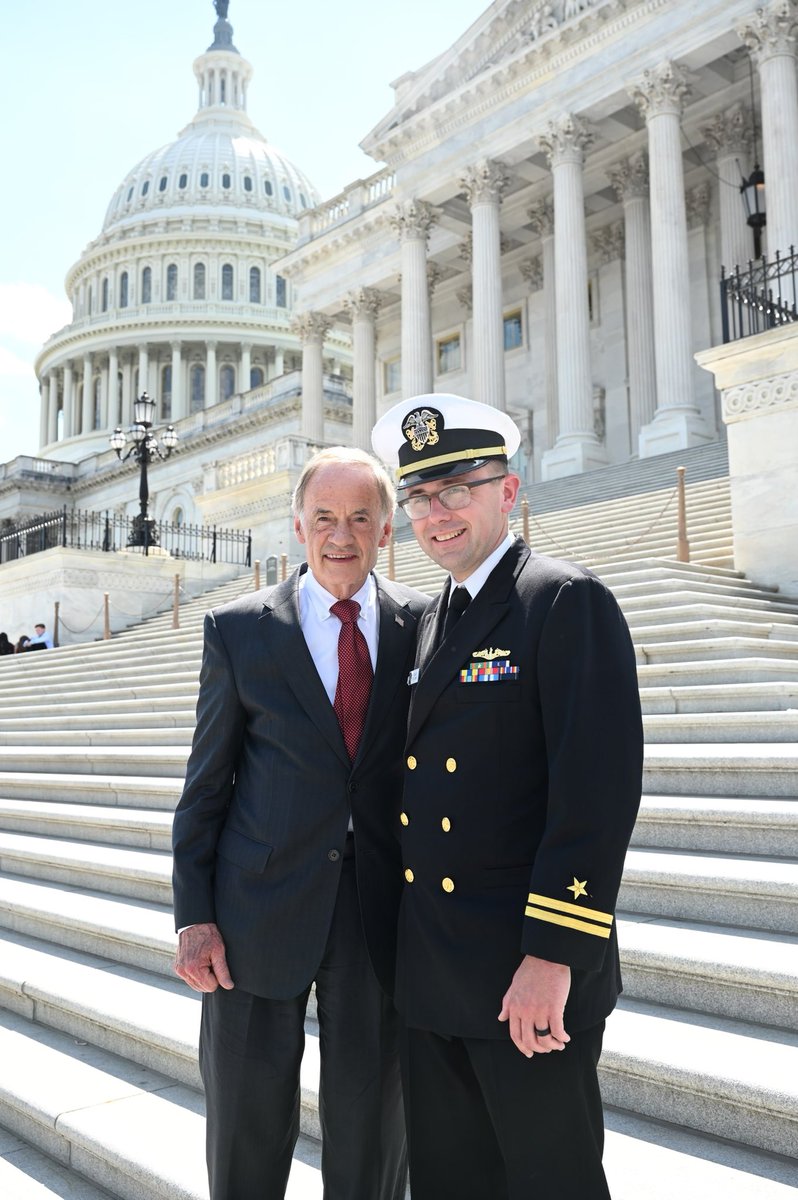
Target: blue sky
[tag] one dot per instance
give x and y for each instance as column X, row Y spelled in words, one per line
column 91, row 87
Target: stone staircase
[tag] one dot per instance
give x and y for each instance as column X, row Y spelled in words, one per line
column 99, row 1090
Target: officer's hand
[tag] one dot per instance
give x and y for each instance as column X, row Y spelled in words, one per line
column 536, row 1000
column 201, row 959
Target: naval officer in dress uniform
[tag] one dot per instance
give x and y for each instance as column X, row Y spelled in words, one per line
column 522, row 782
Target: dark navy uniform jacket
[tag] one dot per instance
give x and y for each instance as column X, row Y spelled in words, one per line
column 523, row 776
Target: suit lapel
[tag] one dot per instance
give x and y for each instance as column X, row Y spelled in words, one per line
column 282, row 632
column 438, row 667
column 397, row 628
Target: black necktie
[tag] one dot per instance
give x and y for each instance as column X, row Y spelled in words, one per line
column 458, row 603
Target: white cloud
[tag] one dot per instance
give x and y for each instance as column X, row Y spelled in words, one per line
column 29, row 313
column 12, row 364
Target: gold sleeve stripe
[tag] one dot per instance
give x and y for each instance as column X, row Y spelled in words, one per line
column 569, row 922
column 578, row 910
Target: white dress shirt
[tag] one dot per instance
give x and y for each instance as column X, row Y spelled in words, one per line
column 477, row 579
column 321, row 629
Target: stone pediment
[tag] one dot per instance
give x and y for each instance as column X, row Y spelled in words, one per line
column 508, row 32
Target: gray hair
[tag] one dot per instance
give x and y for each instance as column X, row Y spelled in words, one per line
column 346, row 454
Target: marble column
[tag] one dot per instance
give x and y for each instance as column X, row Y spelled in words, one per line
column 541, row 216
column 105, row 392
column 577, row 448
column 630, row 180
column 69, row 402
column 279, row 363
column 770, row 38
column 363, row 306
column 483, row 184
column 411, row 221
column 44, row 410
column 312, row 328
column 111, row 415
column 244, row 383
column 677, row 423
column 52, row 411
column 144, row 372
column 178, row 391
column 87, row 421
column 729, row 135
column 211, row 375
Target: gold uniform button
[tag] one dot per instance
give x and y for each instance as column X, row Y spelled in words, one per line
column 411, row 763
column 409, row 876
column 447, row 884
column 446, row 824
column 451, row 765
column 403, row 817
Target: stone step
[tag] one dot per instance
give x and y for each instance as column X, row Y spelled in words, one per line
column 722, row 824
column 751, row 769
column 125, row 791
column 684, row 653
column 113, row 870
column 176, row 685
column 749, row 976
column 724, row 889
column 128, row 681
column 705, row 610
column 707, row 630
column 673, row 589
column 145, row 829
column 108, row 715
column 27, row 1174
column 721, row 727
column 712, row 1074
column 715, row 672
column 719, row 698
column 97, row 760
column 71, row 735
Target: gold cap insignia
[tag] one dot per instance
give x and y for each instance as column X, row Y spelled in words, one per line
column 490, row 654
column 421, row 428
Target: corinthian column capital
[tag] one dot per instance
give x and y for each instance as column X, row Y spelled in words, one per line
column 484, row 182
column 629, row 177
column 729, row 132
column 412, row 220
column 532, row 272
column 770, row 31
column 363, row 302
column 311, row 327
column 566, row 139
column 663, row 89
column 541, row 216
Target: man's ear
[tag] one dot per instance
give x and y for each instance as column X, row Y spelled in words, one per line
column 300, row 536
column 385, row 536
column 510, row 485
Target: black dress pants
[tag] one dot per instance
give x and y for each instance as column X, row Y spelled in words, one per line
column 250, row 1054
column 486, row 1123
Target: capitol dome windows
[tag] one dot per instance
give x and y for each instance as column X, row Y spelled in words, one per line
column 254, row 285
column 162, row 182
column 227, row 381
column 123, row 290
column 302, row 200
column 145, row 187
column 280, row 292
column 199, row 281
column 182, row 182
column 129, row 194
column 166, row 393
column 287, row 192
column 105, row 295
column 146, row 286
column 197, row 387
column 171, row 281
column 227, row 282
column 204, row 179
column 247, row 183
column 267, row 187
column 256, row 377
column 226, row 181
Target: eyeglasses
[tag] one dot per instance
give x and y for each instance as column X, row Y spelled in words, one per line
column 454, row 497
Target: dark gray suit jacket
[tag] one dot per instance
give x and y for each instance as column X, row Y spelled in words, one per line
column 259, row 831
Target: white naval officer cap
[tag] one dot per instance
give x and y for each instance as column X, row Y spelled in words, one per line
column 440, row 435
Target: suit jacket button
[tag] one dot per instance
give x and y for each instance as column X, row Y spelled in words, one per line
column 403, row 817
column 409, row 876
column 446, row 824
column 451, row 765
column 352, row 787
column 447, row 884
column 333, row 855
column 411, row 763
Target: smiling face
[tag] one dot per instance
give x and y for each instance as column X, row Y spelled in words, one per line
column 460, row 540
column 342, row 526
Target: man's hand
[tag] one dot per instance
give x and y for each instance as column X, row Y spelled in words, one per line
column 201, row 959
column 536, row 1000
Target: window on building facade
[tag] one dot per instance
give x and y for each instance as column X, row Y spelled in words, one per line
column 204, row 179
column 287, row 192
column 280, row 291
column 513, row 330
column 145, row 187
column 97, row 398
column 254, row 285
column 447, row 353
column 256, row 377
column 183, row 181
column 104, row 301
column 199, row 281
column 166, row 392
column 267, row 187
column 227, row 281
column 227, row 381
column 123, row 300
column 393, row 374
column 247, row 183
column 162, row 182
column 302, row 200
column 178, row 516
column 129, row 194
column 197, row 388
column 171, row 281
column 146, row 285
column 89, row 301
column 226, row 180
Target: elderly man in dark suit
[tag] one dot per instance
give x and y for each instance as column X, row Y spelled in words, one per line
column 522, row 782
column 287, row 866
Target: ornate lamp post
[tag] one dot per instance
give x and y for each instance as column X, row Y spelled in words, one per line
column 752, row 189
column 144, row 448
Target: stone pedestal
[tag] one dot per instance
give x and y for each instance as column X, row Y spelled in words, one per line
column 758, row 381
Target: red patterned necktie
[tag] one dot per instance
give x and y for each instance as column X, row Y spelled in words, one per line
column 354, row 675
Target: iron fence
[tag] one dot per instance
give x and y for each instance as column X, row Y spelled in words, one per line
column 763, row 296
column 81, row 530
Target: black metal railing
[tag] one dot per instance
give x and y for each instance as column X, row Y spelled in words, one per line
column 80, row 530
column 761, row 297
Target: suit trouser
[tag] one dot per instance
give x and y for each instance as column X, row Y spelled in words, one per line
column 486, row 1123
column 250, row 1054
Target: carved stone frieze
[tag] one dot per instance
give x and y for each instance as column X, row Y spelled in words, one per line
column 363, row 303
column 662, row 89
column 465, row 297
column 412, row 219
column 532, row 272
column 629, row 177
column 609, row 243
column 484, row 182
column 541, row 216
column 566, row 139
column 434, row 274
column 765, row 395
column 770, row 30
column 729, row 132
column 466, row 252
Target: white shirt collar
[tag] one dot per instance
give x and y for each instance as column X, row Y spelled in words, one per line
column 322, row 600
column 477, row 579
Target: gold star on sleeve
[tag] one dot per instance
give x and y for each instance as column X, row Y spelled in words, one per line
column 579, row 888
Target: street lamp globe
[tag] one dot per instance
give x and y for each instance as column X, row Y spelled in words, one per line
column 143, row 410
